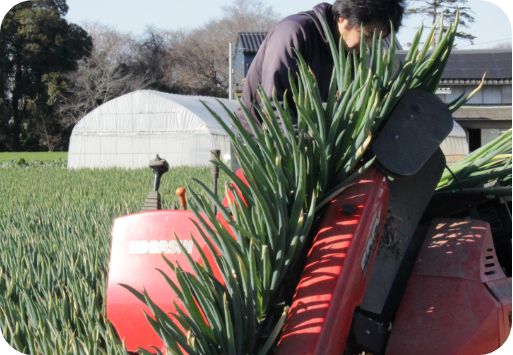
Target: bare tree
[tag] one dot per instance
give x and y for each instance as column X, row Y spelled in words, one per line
column 249, row 15
column 201, row 55
column 152, row 60
column 193, row 62
column 103, row 76
column 503, row 46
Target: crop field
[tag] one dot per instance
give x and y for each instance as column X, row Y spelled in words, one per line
column 32, row 156
column 55, row 238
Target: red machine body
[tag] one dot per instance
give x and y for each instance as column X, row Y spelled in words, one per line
column 138, row 243
column 345, row 245
column 336, row 271
column 458, row 300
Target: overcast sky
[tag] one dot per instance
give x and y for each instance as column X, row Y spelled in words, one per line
column 492, row 26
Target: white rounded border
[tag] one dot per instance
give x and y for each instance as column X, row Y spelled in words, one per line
column 505, row 5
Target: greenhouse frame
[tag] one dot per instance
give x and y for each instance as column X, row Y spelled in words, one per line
column 128, row 131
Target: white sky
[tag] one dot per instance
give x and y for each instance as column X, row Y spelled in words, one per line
column 492, row 26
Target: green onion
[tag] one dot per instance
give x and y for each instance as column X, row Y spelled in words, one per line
column 489, row 166
column 291, row 176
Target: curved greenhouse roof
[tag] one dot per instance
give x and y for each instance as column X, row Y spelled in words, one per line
column 130, row 130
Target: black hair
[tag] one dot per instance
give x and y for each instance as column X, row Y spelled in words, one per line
column 364, row 12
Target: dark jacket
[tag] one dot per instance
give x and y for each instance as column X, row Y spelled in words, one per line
column 302, row 31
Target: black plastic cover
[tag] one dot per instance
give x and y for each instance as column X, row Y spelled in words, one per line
column 416, row 127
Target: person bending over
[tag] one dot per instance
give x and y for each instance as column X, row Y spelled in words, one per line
column 303, row 32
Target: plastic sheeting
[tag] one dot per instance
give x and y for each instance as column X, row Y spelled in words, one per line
column 130, row 130
column 455, row 147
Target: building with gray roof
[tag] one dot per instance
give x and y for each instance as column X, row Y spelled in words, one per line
column 484, row 117
column 488, row 113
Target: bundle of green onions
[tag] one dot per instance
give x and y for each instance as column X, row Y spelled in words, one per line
column 291, row 175
column 485, row 168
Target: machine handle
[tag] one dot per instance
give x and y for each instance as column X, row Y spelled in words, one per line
column 180, row 193
column 159, row 167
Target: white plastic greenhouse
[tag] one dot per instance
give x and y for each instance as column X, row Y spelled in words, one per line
column 130, row 130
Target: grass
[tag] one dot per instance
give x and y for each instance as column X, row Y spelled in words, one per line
column 31, row 156
column 55, row 230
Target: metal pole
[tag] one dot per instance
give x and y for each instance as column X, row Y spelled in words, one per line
column 216, row 154
column 230, row 71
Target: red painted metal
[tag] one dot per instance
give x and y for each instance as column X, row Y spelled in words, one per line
column 452, row 305
column 457, row 300
column 138, row 242
column 336, row 272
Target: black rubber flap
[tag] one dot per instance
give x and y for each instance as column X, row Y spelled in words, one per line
column 416, row 127
column 408, row 198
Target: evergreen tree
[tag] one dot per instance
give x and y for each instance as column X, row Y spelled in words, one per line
column 38, row 47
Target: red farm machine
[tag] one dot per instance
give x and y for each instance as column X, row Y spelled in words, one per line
column 393, row 268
